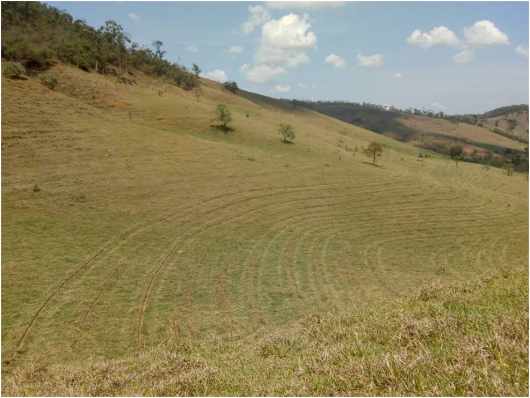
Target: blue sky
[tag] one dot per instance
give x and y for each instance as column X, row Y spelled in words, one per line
column 457, row 57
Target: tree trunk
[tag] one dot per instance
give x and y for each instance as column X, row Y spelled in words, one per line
column 374, row 157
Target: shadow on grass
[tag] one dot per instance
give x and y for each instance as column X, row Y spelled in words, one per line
column 224, row 129
column 287, row 142
column 375, row 165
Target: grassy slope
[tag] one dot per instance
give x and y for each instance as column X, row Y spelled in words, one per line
column 149, row 221
column 522, row 123
column 462, row 339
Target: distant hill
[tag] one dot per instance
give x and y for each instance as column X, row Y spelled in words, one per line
column 482, row 139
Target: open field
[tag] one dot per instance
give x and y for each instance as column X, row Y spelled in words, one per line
column 464, row 339
column 152, row 227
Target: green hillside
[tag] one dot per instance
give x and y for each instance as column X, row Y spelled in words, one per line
column 177, row 257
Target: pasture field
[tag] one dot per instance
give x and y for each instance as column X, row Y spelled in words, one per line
column 150, row 227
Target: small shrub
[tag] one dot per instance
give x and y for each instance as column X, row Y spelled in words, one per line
column 12, row 70
column 248, row 114
column 222, row 115
column 508, row 168
column 49, row 81
column 286, row 130
column 36, row 188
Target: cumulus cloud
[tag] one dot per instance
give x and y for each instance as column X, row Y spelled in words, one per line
column 398, row 75
column 134, row 16
column 235, row 50
column 485, row 33
column 258, row 16
column 192, row 49
column 261, row 73
column 289, row 32
column 336, row 61
column 287, row 58
column 440, row 107
column 370, row 61
column 285, row 41
column 438, row 36
column 522, row 50
column 218, row 75
column 282, row 88
column 304, row 5
column 465, row 57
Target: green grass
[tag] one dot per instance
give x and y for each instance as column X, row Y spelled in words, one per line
column 454, row 340
column 103, row 261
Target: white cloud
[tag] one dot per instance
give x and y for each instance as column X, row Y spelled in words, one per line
column 398, row 75
column 302, row 85
column 465, row 57
column 261, row 73
column 485, row 33
column 134, row 16
column 285, row 41
column 304, row 5
column 282, row 89
column 258, row 16
column 218, row 75
column 438, row 36
column 522, row 50
column 289, row 32
column 270, row 55
column 192, row 49
column 235, row 50
column 370, row 61
column 336, row 61
column 440, row 107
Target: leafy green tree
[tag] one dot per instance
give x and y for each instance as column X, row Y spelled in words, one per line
column 196, row 70
column 287, row 132
column 456, row 150
column 457, row 159
column 231, row 86
column 222, row 115
column 373, row 150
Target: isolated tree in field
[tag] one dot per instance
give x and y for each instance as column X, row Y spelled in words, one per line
column 456, row 150
column 196, row 70
column 373, row 150
column 457, row 159
column 508, row 168
column 287, row 132
column 222, row 115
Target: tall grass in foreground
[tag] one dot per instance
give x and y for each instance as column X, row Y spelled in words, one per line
column 460, row 339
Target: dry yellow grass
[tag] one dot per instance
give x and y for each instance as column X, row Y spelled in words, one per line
column 152, row 226
column 520, row 130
